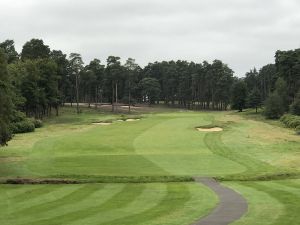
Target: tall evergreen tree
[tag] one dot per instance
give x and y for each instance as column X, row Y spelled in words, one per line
column 239, row 95
column 35, row 49
column 9, row 48
column 6, row 105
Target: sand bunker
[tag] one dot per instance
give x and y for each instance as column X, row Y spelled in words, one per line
column 102, row 124
column 132, row 107
column 213, row 129
column 131, row 120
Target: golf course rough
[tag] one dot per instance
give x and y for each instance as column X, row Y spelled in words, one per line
column 160, row 144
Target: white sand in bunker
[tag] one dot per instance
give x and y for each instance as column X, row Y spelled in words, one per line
column 213, row 129
column 132, row 107
column 131, row 120
column 102, row 124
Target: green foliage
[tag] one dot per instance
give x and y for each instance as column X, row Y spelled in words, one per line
column 288, row 68
column 239, row 95
column 281, row 90
column 35, row 49
column 5, row 133
column 290, row 121
column 298, row 130
column 274, row 107
column 277, row 103
column 251, row 79
column 17, row 116
column 20, row 123
column 295, row 107
column 37, row 123
column 9, row 49
column 6, row 104
column 266, row 78
column 254, row 99
column 150, row 89
column 24, row 126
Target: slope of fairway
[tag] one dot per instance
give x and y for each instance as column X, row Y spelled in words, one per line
column 162, row 143
column 178, row 148
column 158, row 144
column 173, row 203
column 270, row 202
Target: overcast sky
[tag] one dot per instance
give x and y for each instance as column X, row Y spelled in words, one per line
column 242, row 33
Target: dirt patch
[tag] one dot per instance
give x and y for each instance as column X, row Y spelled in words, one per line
column 102, row 124
column 131, row 120
column 212, row 129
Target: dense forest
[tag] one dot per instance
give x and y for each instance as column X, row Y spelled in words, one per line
column 37, row 81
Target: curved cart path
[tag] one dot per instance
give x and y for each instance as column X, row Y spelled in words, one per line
column 230, row 208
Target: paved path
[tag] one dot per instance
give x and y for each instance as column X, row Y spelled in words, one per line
column 230, row 208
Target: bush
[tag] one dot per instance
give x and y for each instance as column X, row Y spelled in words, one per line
column 5, row 133
column 37, row 123
column 17, row 116
column 22, row 127
column 274, row 107
column 291, row 121
column 298, row 130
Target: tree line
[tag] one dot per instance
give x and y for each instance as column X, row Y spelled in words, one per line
column 37, row 81
column 275, row 86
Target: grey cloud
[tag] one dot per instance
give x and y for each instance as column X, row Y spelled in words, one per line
column 242, row 33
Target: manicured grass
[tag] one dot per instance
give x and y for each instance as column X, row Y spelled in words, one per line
column 172, row 203
column 162, row 147
column 270, row 202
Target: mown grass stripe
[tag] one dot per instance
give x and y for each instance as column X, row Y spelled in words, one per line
column 34, row 193
column 109, row 204
column 286, row 198
column 149, row 198
column 75, row 196
column 174, row 200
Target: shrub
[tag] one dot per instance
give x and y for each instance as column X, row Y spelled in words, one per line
column 17, row 116
column 298, row 130
column 5, row 133
column 37, row 123
column 22, row 127
column 291, row 121
column 274, row 107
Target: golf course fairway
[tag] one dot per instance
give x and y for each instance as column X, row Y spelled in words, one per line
column 140, row 171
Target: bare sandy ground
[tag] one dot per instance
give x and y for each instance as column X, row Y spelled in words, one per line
column 131, row 120
column 213, row 129
column 102, row 124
